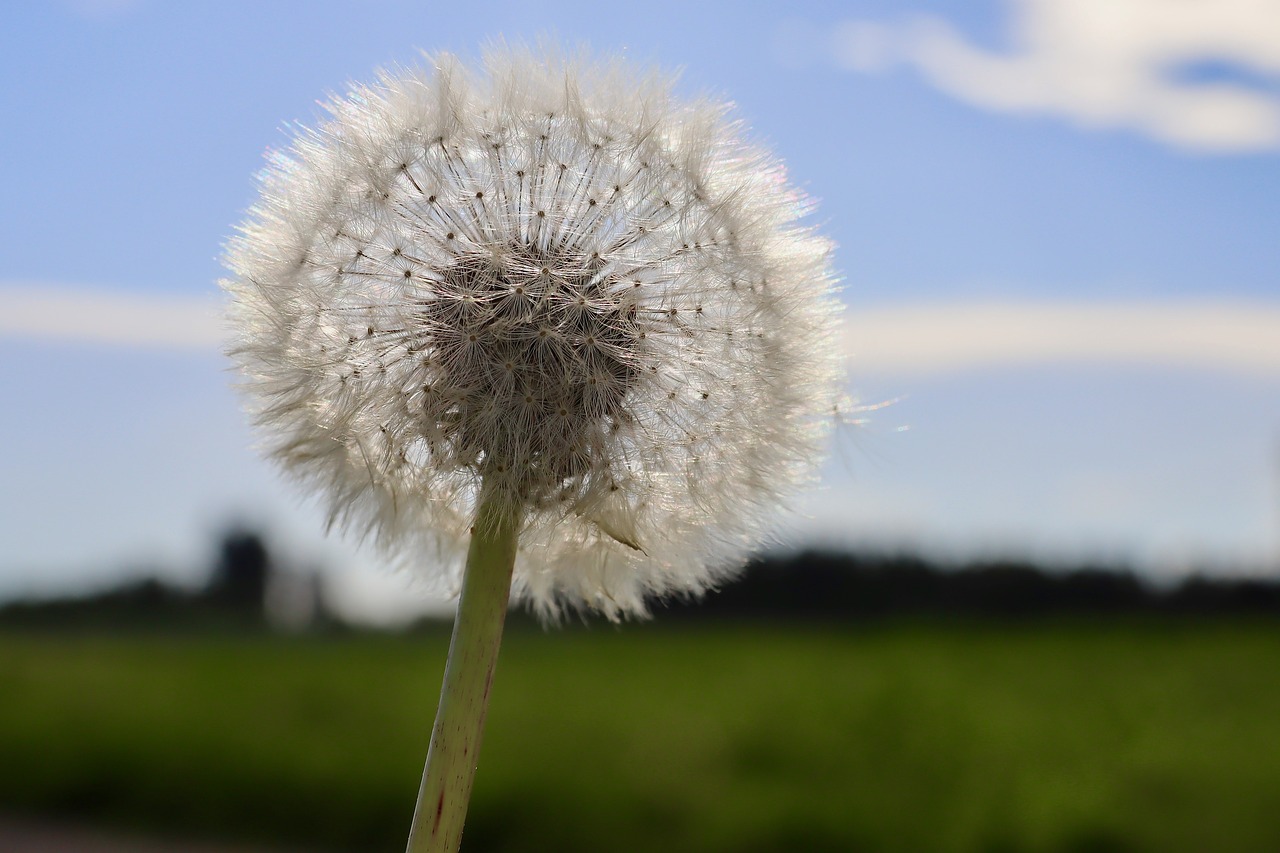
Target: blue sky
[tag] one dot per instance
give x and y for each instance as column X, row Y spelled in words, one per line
column 1058, row 221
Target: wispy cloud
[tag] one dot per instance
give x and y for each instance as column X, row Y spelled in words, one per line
column 1146, row 65
column 915, row 339
column 84, row 315
column 1240, row 338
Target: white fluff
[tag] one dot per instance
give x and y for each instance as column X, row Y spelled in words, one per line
column 554, row 277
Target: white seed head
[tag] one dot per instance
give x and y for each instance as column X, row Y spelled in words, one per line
column 554, row 278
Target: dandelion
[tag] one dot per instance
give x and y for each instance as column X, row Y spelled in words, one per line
column 545, row 314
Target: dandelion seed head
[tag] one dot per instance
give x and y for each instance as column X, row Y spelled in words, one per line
column 552, row 280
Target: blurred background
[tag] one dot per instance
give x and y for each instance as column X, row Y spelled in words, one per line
column 1032, row 605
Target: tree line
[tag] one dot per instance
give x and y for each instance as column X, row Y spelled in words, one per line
column 247, row 588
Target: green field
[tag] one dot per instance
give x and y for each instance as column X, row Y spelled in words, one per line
column 1161, row 736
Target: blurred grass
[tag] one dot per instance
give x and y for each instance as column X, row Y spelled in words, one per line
column 1122, row 736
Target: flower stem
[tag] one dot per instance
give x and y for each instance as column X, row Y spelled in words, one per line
column 464, row 698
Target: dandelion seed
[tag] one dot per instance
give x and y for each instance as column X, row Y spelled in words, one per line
column 547, row 317
column 534, row 287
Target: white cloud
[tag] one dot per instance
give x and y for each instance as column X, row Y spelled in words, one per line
column 84, row 315
column 1104, row 63
column 934, row 339
column 863, row 46
column 913, row 339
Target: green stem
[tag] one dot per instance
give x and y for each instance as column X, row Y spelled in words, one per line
column 464, row 698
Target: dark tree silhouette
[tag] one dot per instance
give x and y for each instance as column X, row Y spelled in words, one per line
column 239, row 580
